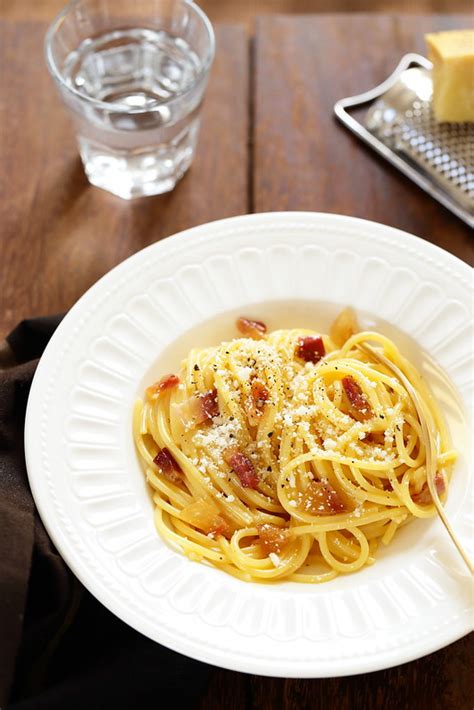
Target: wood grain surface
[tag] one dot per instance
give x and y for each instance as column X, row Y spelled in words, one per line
column 304, row 159
column 440, row 681
column 59, row 234
column 247, row 10
column 269, row 142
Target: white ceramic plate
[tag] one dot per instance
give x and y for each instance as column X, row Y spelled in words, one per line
column 90, row 491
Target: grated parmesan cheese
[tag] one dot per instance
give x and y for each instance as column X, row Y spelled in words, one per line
column 219, row 436
column 244, row 372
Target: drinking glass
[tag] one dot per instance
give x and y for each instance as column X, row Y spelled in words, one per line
column 132, row 74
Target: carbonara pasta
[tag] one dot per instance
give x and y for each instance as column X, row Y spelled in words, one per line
column 288, row 455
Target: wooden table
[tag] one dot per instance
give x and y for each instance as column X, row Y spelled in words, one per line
column 269, row 142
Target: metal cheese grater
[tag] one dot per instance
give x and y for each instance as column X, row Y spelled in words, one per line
column 400, row 125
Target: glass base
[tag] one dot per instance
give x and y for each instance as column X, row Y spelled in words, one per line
column 133, row 175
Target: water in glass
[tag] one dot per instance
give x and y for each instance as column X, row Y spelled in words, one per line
column 151, row 142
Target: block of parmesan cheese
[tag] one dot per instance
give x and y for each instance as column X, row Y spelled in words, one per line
column 452, row 54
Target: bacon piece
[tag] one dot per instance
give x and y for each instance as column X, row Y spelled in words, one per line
column 344, row 327
column 356, row 397
column 198, row 409
column 374, row 437
column 168, row 466
column 242, row 466
column 259, row 394
column 166, row 383
column 220, row 526
column 251, row 328
column 204, row 515
column 209, row 405
column 311, row 348
column 272, row 538
column 424, row 496
column 322, row 499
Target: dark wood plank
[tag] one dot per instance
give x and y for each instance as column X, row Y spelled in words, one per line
column 227, row 690
column 442, row 680
column 246, row 10
column 59, row 234
column 432, row 682
column 304, row 159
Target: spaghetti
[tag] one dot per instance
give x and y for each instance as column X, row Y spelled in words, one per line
column 288, row 455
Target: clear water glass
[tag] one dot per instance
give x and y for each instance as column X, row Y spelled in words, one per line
column 133, row 76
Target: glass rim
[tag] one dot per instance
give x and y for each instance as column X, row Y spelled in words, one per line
column 111, row 106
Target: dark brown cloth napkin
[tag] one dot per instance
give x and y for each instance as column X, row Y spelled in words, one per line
column 59, row 647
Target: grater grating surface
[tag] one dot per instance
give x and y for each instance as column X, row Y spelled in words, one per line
column 400, row 124
column 403, row 119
